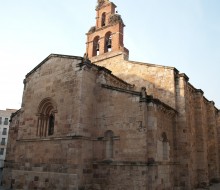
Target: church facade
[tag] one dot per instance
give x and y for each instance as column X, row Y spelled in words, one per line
column 103, row 122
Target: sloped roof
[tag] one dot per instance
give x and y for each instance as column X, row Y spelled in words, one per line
column 83, row 61
column 154, row 65
column 49, row 57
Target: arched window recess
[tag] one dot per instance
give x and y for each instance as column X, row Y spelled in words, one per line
column 46, row 117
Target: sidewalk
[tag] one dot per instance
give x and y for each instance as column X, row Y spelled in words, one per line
column 213, row 187
column 2, row 188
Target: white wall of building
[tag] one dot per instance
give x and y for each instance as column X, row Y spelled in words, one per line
column 4, row 129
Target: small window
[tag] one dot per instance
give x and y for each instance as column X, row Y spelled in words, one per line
column 2, row 151
column 165, row 146
column 103, row 19
column 6, row 121
column 3, row 141
column 0, row 120
column 165, row 151
column 4, row 132
column 51, row 125
column 109, row 135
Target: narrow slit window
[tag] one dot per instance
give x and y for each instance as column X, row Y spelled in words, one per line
column 51, row 125
column 109, row 135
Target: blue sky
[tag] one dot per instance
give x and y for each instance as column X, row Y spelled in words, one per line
column 183, row 34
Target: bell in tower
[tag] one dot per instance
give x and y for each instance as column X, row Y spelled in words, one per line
column 97, row 46
column 109, row 42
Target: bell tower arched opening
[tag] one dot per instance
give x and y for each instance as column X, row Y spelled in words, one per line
column 96, row 46
column 108, row 42
column 103, row 21
column 109, row 143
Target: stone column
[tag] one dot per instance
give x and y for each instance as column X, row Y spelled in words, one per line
column 152, row 132
column 38, row 126
column 41, row 125
column 152, row 146
column 212, row 143
column 46, row 125
column 218, row 135
column 183, row 152
column 201, row 139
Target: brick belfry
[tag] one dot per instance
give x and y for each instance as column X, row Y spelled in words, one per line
column 108, row 33
column 103, row 122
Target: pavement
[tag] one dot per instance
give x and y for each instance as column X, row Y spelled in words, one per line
column 213, row 187
column 2, row 188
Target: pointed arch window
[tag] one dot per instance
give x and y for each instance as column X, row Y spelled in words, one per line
column 108, row 42
column 96, row 46
column 46, row 117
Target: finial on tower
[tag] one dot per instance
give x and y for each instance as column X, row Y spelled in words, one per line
column 101, row 2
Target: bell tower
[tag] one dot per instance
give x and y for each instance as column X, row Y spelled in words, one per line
column 106, row 37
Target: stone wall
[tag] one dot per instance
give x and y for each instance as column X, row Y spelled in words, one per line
column 120, row 176
column 213, row 154
column 69, row 149
column 218, row 134
column 158, row 80
column 61, row 156
column 196, row 131
column 109, row 131
column 138, row 162
column 58, row 79
column 30, row 180
column 122, row 114
column 197, row 146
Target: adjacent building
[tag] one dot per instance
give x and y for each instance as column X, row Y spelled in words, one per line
column 4, row 128
column 103, row 122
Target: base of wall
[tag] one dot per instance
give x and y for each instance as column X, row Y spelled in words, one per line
column 30, row 180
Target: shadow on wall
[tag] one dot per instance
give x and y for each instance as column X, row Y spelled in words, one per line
column 157, row 91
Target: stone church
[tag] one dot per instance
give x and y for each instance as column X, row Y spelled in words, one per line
column 102, row 122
